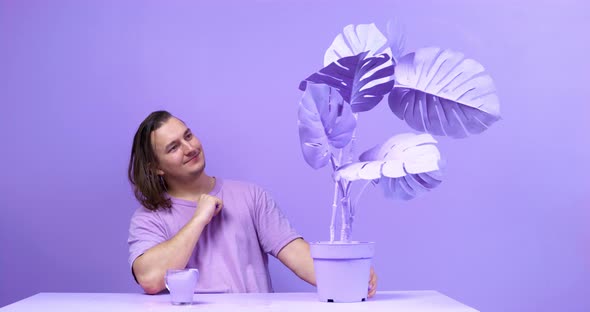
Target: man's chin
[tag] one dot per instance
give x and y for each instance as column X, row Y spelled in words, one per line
column 197, row 172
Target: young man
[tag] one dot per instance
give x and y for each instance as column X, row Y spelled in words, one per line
column 189, row 219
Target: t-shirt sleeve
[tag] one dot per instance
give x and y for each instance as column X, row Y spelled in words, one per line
column 145, row 231
column 274, row 229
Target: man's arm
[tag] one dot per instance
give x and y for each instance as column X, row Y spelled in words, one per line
column 150, row 268
column 297, row 257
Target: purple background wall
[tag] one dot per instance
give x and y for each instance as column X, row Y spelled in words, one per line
column 508, row 230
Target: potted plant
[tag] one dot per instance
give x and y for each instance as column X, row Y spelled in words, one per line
column 435, row 91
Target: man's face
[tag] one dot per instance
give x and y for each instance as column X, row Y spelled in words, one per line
column 179, row 152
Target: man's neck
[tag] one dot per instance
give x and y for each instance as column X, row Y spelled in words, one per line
column 191, row 189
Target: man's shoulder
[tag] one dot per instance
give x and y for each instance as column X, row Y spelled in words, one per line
column 242, row 189
column 141, row 212
column 241, row 185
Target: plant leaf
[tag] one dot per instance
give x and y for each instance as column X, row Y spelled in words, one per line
column 410, row 186
column 396, row 39
column 361, row 81
column 405, row 165
column 325, row 121
column 354, row 40
column 443, row 93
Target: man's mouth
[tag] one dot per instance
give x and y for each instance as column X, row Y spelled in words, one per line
column 193, row 159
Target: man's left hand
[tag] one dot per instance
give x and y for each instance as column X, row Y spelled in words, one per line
column 372, row 283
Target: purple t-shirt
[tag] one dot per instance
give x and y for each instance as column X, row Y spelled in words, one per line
column 231, row 253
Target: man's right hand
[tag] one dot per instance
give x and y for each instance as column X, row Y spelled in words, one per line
column 151, row 267
column 208, row 206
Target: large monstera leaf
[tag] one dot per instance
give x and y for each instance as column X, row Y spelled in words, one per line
column 443, row 93
column 411, row 185
column 396, row 39
column 357, row 39
column 358, row 78
column 405, row 165
column 325, row 122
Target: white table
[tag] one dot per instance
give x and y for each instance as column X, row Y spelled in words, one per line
column 402, row 301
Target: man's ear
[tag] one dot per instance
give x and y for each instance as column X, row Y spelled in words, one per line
column 156, row 169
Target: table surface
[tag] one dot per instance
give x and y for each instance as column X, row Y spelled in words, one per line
column 406, row 301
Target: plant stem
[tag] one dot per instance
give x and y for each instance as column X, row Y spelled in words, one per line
column 358, row 196
column 346, row 230
column 343, row 225
column 347, row 209
column 352, row 140
column 334, row 208
column 335, row 165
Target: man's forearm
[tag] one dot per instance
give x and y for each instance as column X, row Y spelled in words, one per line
column 297, row 257
column 150, row 268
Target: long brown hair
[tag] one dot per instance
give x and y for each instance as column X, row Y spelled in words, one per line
column 149, row 188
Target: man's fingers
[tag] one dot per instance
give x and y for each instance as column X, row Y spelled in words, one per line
column 372, row 293
column 372, row 283
column 218, row 206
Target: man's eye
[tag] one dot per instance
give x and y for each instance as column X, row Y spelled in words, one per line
column 188, row 136
column 173, row 148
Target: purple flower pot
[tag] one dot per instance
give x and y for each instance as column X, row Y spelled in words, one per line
column 342, row 270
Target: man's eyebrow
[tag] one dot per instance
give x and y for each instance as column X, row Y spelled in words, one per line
column 187, row 131
column 170, row 145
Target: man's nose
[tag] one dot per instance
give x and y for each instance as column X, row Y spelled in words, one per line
column 187, row 148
